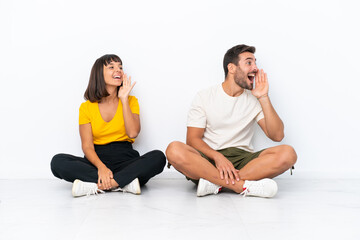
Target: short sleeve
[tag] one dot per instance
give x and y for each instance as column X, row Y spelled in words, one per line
column 84, row 116
column 259, row 116
column 197, row 114
column 134, row 105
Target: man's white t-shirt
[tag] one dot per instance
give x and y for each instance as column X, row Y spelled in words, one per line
column 228, row 121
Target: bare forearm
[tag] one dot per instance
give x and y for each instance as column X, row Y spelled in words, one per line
column 105, row 175
column 274, row 125
column 132, row 123
column 200, row 145
column 93, row 157
column 224, row 166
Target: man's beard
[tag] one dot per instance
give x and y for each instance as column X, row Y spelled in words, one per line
column 241, row 80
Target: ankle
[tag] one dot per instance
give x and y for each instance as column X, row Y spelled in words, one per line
column 238, row 187
column 113, row 185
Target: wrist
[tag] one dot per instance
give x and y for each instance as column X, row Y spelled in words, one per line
column 123, row 99
column 101, row 167
column 262, row 96
column 216, row 155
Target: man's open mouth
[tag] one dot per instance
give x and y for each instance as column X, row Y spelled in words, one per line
column 251, row 77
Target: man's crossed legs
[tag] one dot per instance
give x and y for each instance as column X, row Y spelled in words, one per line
column 270, row 163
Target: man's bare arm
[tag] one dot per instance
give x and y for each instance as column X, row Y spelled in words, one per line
column 225, row 167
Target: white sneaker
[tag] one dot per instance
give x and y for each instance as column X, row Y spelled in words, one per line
column 262, row 188
column 205, row 188
column 81, row 188
column 133, row 187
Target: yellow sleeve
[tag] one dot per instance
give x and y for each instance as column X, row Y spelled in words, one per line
column 84, row 116
column 134, row 105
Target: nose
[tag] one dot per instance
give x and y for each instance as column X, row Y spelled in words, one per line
column 255, row 68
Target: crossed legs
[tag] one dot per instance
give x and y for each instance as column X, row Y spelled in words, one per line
column 69, row 168
column 270, row 163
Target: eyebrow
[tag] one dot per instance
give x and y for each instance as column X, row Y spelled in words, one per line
column 250, row 59
column 113, row 63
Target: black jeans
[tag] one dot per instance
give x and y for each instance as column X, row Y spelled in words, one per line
column 125, row 163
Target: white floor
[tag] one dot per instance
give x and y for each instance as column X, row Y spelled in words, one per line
column 309, row 208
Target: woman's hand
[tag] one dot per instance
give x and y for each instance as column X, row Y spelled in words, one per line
column 126, row 88
column 105, row 176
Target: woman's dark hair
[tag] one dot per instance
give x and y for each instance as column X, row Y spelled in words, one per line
column 96, row 89
column 232, row 55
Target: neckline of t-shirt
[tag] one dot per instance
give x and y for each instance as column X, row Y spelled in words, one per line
column 231, row 97
column 117, row 109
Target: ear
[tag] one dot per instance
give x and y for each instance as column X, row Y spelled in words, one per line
column 231, row 67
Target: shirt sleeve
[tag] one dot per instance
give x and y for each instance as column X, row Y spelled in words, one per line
column 259, row 116
column 134, row 105
column 197, row 114
column 84, row 114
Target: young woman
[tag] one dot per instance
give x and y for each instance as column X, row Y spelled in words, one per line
column 109, row 121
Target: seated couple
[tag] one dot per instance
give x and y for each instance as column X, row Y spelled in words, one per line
column 218, row 153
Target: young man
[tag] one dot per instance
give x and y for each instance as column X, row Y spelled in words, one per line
column 220, row 127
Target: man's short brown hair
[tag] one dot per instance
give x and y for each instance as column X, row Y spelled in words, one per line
column 232, row 55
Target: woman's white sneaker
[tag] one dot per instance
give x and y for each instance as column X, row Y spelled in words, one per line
column 205, row 188
column 81, row 188
column 266, row 188
column 133, row 187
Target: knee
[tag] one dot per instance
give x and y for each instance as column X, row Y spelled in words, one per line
column 174, row 153
column 158, row 158
column 287, row 156
column 56, row 163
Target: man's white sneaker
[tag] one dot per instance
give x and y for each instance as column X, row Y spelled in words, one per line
column 262, row 188
column 133, row 187
column 81, row 188
column 205, row 188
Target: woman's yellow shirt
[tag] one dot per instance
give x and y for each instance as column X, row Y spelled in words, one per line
column 107, row 132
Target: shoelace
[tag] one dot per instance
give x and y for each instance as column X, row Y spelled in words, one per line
column 245, row 192
column 118, row 189
column 256, row 189
column 94, row 192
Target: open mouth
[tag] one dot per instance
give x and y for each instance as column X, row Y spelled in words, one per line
column 251, row 77
column 117, row 77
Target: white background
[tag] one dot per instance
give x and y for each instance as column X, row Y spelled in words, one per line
column 172, row 49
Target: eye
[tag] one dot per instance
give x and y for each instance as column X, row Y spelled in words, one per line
column 111, row 67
